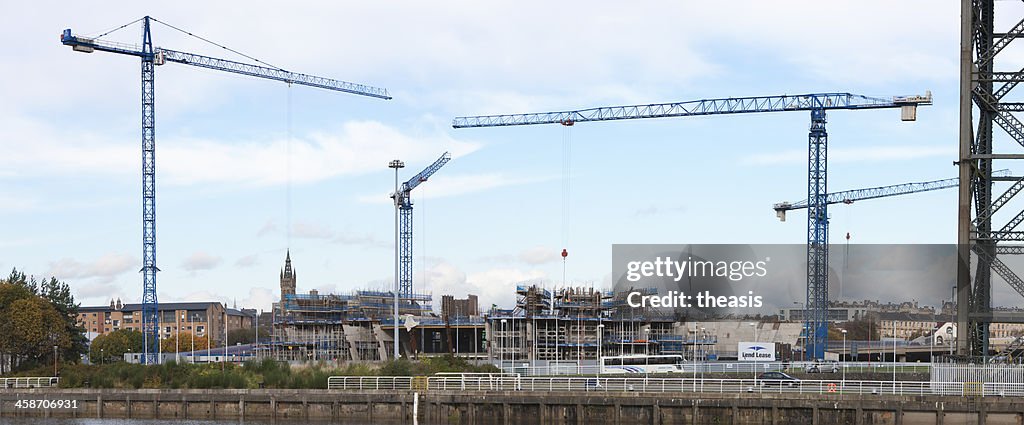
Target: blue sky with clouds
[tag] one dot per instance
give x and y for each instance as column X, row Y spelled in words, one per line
column 69, row 184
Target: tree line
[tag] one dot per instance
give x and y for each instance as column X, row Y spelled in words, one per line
column 38, row 323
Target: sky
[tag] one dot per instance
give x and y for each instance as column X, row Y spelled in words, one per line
column 250, row 168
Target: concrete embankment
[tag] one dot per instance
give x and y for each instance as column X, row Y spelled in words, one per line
column 520, row 407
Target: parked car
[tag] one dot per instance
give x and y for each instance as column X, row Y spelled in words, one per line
column 826, row 367
column 777, row 378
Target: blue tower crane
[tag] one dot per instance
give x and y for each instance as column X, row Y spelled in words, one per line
column 403, row 202
column 851, row 196
column 152, row 57
column 816, row 324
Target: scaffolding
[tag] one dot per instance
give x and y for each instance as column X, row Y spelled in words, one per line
column 336, row 328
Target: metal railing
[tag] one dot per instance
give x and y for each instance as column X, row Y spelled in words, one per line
column 570, row 367
column 29, row 382
column 505, row 382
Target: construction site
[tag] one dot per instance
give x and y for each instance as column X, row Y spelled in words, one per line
column 360, row 326
column 573, row 326
column 584, row 323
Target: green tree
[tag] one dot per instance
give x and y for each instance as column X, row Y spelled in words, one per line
column 59, row 295
column 36, row 327
column 35, row 317
column 245, row 336
column 111, row 347
column 167, row 345
column 9, row 343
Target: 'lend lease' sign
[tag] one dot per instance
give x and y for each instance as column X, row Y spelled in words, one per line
column 757, row 351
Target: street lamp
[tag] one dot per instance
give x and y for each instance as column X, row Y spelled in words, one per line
column 177, row 337
column 515, row 347
column 192, row 328
column 501, row 345
column 600, row 344
column 894, row 356
column 647, row 352
column 803, row 351
column 396, row 164
column 949, row 330
column 102, row 360
column 703, row 340
column 844, row 361
column 754, row 325
column 54, row 360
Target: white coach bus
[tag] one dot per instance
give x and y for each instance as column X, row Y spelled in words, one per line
column 642, row 364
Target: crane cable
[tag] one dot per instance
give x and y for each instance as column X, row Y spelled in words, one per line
column 217, row 44
column 115, row 29
column 846, row 249
column 566, row 192
column 288, row 173
column 423, row 240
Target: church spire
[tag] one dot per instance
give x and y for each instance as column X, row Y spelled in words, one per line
column 287, row 276
column 288, row 272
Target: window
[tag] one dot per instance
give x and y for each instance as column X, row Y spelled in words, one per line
column 196, row 316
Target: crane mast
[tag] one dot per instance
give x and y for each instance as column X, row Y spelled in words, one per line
column 403, row 202
column 816, row 324
column 151, row 57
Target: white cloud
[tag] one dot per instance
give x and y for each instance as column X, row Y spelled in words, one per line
column 656, row 210
column 259, row 298
column 861, row 154
column 540, row 255
column 303, row 229
column 365, row 240
column 105, row 290
column 442, row 186
column 200, row 260
column 268, row 228
column 311, row 230
column 492, row 286
column 358, row 147
column 14, row 204
column 247, row 261
column 105, row 269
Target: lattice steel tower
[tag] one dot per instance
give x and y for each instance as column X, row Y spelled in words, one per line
column 982, row 94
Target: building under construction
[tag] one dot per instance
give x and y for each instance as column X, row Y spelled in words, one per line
column 360, row 326
column 576, row 325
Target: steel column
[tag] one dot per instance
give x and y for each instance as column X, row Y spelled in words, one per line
column 150, row 319
column 816, row 322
